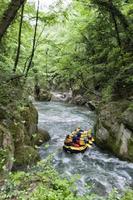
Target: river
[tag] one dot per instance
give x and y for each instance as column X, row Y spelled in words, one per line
column 100, row 169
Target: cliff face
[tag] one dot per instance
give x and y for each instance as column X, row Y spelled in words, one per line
column 114, row 129
column 19, row 136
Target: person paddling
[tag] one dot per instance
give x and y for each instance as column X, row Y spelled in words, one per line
column 68, row 140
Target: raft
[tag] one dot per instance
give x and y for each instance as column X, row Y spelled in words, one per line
column 79, row 148
column 73, row 149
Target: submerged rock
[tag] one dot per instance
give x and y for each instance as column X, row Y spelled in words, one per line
column 114, row 129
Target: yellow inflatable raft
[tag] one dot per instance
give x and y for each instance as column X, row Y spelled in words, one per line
column 85, row 141
column 73, row 149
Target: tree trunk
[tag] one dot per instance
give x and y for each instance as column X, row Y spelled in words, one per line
column 19, row 40
column 9, row 15
column 47, row 66
column 34, row 41
column 115, row 25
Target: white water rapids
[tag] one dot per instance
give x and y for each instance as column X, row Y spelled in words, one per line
column 95, row 167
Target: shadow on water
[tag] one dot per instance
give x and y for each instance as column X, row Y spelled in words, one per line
column 95, row 167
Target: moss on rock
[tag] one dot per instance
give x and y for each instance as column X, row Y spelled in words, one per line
column 40, row 137
column 25, row 155
column 6, row 150
column 30, row 118
column 17, row 130
column 18, row 143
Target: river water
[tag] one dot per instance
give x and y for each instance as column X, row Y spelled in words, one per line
column 100, row 169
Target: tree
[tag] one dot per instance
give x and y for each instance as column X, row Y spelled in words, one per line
column 19, row 40
column 34, row 41
column 9, row 15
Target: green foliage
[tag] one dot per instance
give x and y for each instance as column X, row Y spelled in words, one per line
column 106, row 93
column 84, row 52
column 76, row 46
column 3, row 6
column 41, row 183
column 113, row 195
column 3, row 158
column 128, row 195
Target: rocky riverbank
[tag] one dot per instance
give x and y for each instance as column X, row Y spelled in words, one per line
column 19, row 137
column 114, row 128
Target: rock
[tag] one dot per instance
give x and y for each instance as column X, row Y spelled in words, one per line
column 91, row 105
column 23, row 133
column 6, row 150
column 18, row 133
column 78, row 100
column 130, row 149
column 76, row 90
column 44, row 96
column 102, row 135
column 61, row 96
column 113, row 132
column 127, row 118
column 57, row 96
column 25, row 155
column 18, row 142
column 40, row 137
column 125, row 137
column 30, row 119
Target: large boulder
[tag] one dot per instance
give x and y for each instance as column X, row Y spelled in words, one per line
column 114, row 129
